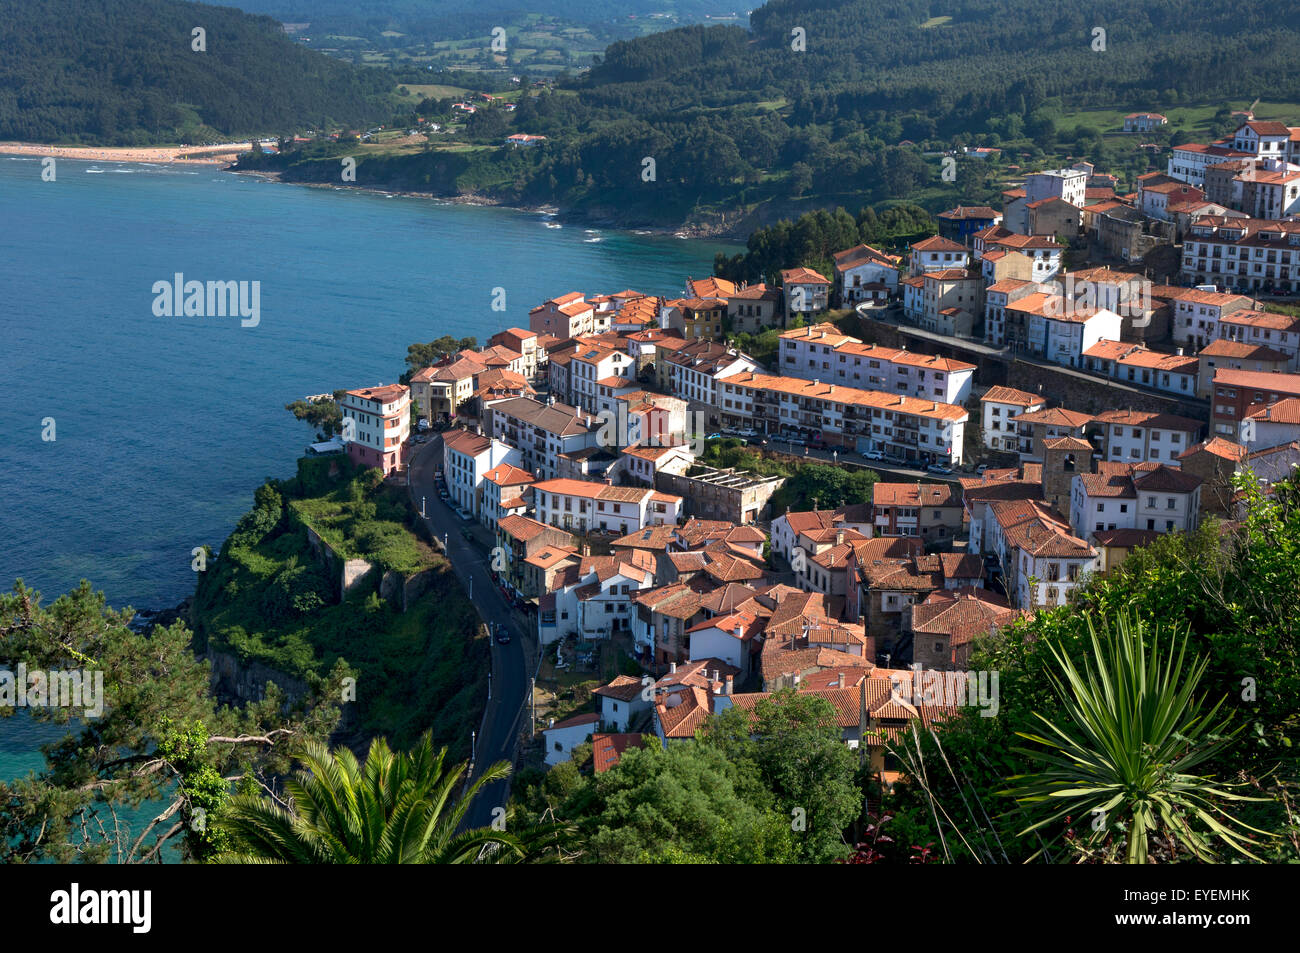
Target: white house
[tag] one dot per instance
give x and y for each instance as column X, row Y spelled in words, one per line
column 1137, row 436
column 595, row 599
column 585, row 507
column 466, row 459
column 1154, row 497
column 730, row 637
column 937, row 254
column 504, row 488
column 1272, row 425
column 376, row 425
column 1000, row 407
column 622, row 700
column 563, row 736
column 863, row 273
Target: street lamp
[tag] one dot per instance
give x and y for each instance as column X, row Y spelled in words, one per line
column 473, row 744
column 422, row 513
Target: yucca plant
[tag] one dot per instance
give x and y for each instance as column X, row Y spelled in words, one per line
column 399, row 808
column 1131, row 733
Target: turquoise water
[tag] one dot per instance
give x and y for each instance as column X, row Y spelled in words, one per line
column 164, row 426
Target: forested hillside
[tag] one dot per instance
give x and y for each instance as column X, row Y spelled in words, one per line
column 123, row 72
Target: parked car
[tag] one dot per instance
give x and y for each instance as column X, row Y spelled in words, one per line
column 981, row 468
column 873, row 455
column 938, row 468
column 503, row 635
column 467, row 534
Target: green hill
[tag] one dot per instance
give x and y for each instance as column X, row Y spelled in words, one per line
column 123, row 72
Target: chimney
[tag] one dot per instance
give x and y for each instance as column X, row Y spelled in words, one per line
column 738, row 632
column 730, row 684
column 839, row 537
column 796, row 680
column 841, row 681
column 672, row 668
column 717, row 675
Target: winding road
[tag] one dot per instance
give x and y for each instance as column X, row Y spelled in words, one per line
column 505, row 714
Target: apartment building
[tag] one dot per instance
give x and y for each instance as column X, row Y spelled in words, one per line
column 932, row 511
column 467, row 457
column 1138, row 436
column 1196, row 315
column 1242, row 254
column 541, row 432
column 581, row 506
column 923, row 431
column 821, row 352
column 999, row 408
column 376, row 425
column 1135, row 364
column 1239, row 394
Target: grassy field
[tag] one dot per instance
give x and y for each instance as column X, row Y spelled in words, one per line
column 1192, row 118
column 434, row 91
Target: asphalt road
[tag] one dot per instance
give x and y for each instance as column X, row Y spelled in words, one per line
column 505, row 709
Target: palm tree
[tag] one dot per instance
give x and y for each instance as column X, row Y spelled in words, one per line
column 1132, row 731
column 399, row 808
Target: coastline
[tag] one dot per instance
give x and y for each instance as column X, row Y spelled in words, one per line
column 227, row 155
column 568, row 217
column 166, row 155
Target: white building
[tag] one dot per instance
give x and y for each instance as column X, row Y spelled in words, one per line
column 1000, row 407
column 1272, row 425
column 466, row 459
column 582, row 506
column 863, row 273
column 1069, row 185
column 1154, row 497
column 541, row 432
column 595, row 599
column 563, row 736
column 376, row 425
column 1195, row 317
column 937, row 254
column 1136, row 436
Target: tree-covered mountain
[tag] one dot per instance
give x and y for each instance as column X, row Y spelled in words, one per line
column 834, row 102
column 125, row 72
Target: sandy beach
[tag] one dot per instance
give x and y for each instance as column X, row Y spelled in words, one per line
column 188, row 155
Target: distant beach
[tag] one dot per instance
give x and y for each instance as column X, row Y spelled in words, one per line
column 188, row 155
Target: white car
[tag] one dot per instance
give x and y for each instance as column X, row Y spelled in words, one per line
column 873, row 455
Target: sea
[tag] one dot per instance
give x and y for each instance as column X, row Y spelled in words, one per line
column 130, row 435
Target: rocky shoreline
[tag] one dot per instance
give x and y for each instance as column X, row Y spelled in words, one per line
column 565, row 216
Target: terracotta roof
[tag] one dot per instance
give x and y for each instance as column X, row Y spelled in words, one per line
column 938, row 243
column 1009, row 395
column 1288, row 384
column 607, row 750
column 802, row 276
column 623, row 688
column 1226, row 449
column 466, row 442
column 1055, row 417
column 1222, row 347
column 506, row 475
column 915, row 494
column 1147, row 418
column 521, row 527
column 1285, row 411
